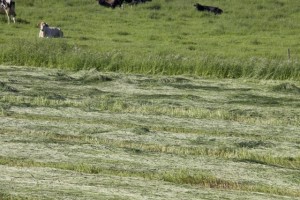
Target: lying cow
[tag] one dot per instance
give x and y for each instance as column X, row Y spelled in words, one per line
column 8, row 7
column 111, row 3
column 213, row 9
column 46, row 31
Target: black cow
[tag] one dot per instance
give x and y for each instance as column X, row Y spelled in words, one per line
column 134, row 2
column 8, row 7
column 213, row 9
column 111, row 3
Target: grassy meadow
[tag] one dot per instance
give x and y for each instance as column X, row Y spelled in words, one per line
column 155, row 101
column 167, row 37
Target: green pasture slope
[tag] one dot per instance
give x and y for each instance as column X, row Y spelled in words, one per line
column 155, row 101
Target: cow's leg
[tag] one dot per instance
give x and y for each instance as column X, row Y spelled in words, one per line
column 7, row 15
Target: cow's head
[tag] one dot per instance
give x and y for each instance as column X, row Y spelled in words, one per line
column 42, row 25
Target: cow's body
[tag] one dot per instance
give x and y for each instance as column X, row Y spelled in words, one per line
column 115, row 3
column 111, row 3
column 134, row 2
column 8, row 7
column 213, row 9
column 46, row 31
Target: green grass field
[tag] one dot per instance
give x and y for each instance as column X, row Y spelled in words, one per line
column 250, row 39
column 155, row 101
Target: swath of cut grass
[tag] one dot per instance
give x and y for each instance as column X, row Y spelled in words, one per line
column 138, row 129
column 4, row 196
column 181, row 176
column 37, row 101
column 239, row 155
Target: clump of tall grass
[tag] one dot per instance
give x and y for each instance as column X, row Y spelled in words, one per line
column 208, row 180
column 199, row 178
column 56, row 54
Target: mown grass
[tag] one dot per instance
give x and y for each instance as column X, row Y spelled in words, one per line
column 242, row 154
column 4, row 196
column 106, row 103
column 224, row 136
column 181, row 176
column 254, row 139
column 237, row 136
column 160, row 37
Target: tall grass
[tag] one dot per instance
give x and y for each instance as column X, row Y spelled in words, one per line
column 60, row 54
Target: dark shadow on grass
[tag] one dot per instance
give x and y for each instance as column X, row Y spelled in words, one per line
column 141, row 130
column 253, row 144
column 6, row 88
column 166, row 96
column 279, row 162
column 253, row 161
column 22, row 21
column 205, row 87
column 251, row 99
column 133, row 150
column 286, row 88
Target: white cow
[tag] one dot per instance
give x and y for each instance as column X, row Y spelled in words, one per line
column 46, row 31
column 8, row 7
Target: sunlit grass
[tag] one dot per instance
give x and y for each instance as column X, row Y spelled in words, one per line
column 160, row 37
column 180, row 176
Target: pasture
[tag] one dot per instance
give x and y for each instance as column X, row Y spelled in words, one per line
column 166, row 37
column 154, row 101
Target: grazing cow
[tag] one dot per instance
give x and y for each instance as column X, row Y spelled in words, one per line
column 46, row 31
column 213, row 9
column 110, row 3
column 8, row 7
